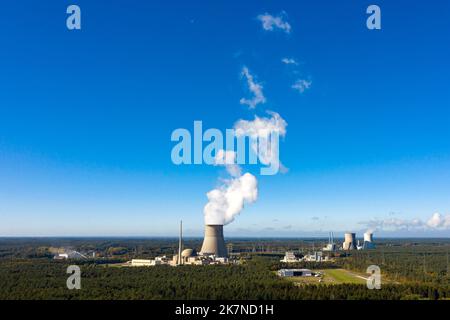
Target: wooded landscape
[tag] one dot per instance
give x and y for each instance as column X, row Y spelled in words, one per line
column 28, row 272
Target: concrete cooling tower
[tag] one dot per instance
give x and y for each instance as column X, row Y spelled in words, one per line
column 368, row 236
column 349, row 241
column 214, row 243
column 368, row 241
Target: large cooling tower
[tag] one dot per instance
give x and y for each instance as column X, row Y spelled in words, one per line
column 349, row 241
column 214, row 244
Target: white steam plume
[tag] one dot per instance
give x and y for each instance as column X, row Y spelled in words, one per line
column 228, row 200
column 260, row 130
column 255, row 88
column 228, row 159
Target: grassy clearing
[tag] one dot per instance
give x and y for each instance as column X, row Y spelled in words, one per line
column 339, row 276
column 330, row 276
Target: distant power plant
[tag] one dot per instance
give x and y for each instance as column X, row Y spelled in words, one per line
column 214, row 243
column 349, row 241
column 214, row 250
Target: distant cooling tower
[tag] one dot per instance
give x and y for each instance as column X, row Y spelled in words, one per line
column 214, row 243
column 368, row 241
column 368, row 237
column 349, row 241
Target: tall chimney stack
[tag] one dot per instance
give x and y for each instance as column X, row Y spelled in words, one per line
column 180, row 244
column 214, row 243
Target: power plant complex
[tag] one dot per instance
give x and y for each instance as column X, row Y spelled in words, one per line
column 214, row 250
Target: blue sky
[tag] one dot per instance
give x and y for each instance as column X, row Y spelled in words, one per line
column 86, row 116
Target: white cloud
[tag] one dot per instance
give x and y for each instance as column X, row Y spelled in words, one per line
column 289, row 61
column 438, row 221
column 301, row 85
column 393, row 224
column 261, row 126
column 255, row 88
column 271, row 23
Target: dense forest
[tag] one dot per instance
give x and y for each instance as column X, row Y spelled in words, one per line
column 27, row 271
column 43, row 279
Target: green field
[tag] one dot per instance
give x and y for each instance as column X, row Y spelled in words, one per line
column 339, row 276
column 331, row 276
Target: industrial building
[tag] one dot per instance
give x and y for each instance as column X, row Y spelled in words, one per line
column 190, row 256
column 70, row 254
column 316, row 256
column 289, row 257
column 295, row 273
column 141, row 263
column 149, row 262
